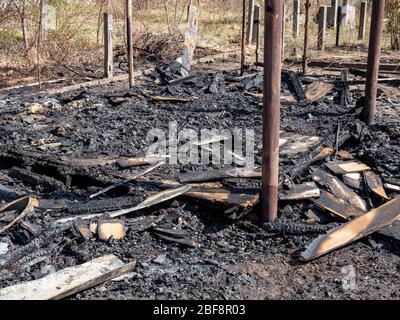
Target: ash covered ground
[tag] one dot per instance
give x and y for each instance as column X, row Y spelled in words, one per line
column 235, row 258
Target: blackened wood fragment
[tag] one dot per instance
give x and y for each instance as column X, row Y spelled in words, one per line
column 48, row 183
column 294, row 228
column 103, row 205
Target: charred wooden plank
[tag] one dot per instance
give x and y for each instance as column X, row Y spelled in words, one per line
column 23, row 204
column 306, row 190
column 214, row 194
column 103, row 205
column 226, row 198
column 344, row 89
column 140, row 161
column 6, row 192
column 327, row 201
column 182, row 241
column 293, row 144
column 297, row 86
column 153, row 200
column 317, row 153
column 68, row 281
column 127, row 180
column 347, row 167
column 374, row 182
column 338, row 188
column 294, row 228
column 318, row 90
column 353, row 180
column 48, row 183
column 174, row 99
column 218, row 174
column 354, row 230
column 42, row 240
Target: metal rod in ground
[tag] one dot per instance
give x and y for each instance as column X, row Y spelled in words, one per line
column 305, row 58
column 128, row 12
column 243, row 48
column 338, row 24
column 374, row 56
column 271, row 113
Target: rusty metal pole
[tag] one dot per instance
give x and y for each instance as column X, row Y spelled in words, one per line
column 305, row 62
column 272, row 105
column 243, row 55
column 129, row 43
column 374, row 56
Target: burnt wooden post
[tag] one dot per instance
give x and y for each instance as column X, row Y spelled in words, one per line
column 189, row 44
column 296, row 18
column 344, row 13
column 243, row 44
column 129, row 44
column 338, row 25
column 305, row 53
column 363, row 20
column 250, row 19
column 188, row 10
column 256, row 22
column 374, row 55
column 322, row 27
column 283, row 31
column 108, row 46
column 271, row 110
column 332, row 14
column 42, row 5
column 256, row 30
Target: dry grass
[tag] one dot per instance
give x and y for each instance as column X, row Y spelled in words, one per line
column 158, row 32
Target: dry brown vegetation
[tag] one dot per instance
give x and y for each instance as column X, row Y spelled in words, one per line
column 158, row 31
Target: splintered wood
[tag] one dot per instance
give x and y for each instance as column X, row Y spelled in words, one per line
column 68, row 281
column 354, row 230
